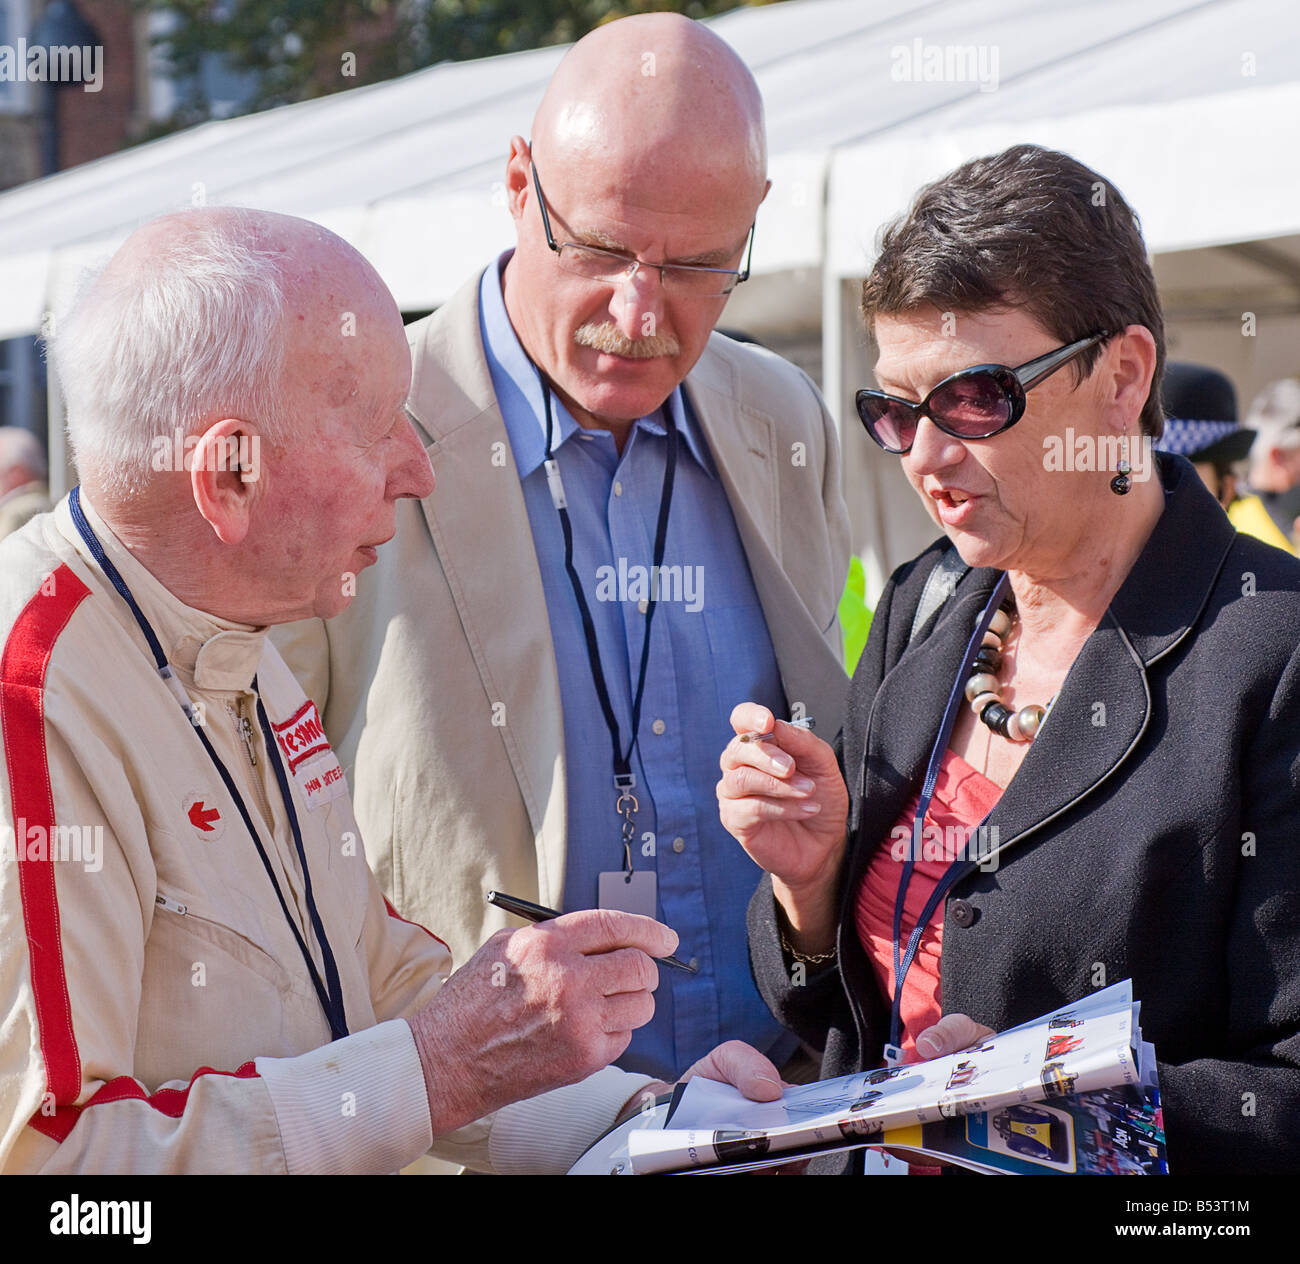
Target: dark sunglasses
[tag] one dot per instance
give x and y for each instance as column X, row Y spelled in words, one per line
column 976, row 403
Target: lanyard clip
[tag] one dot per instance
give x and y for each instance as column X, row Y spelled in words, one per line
column 626, row 806
column 893, row 1055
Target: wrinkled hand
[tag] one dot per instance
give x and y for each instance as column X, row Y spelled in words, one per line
column 536, row 1009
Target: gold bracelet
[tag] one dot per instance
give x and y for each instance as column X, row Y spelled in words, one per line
column 810, row 959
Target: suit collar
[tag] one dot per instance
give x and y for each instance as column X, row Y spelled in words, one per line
column 742, row 439
column 497, row 590
column 1171, row 581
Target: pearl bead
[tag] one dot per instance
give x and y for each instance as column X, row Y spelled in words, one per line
column 1028, row 719
column 1000, row 624
column 981, row 682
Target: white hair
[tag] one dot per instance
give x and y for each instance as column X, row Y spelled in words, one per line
column 192, row 334
column 1275, row 419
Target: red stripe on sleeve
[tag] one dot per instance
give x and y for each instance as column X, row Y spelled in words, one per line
column 392, row 912
column 23, row 666
column 167, row 1101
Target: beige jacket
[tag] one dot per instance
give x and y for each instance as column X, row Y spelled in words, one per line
column 155, row 1010
column 439, row 687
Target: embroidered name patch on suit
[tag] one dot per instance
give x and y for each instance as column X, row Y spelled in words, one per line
column 310, row 759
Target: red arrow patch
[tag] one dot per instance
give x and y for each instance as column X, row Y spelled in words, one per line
column 201, row 818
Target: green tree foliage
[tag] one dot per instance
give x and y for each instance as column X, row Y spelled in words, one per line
column 293, row 50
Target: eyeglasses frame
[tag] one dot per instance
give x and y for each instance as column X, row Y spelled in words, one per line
column 633, row 263
column 1025, row 378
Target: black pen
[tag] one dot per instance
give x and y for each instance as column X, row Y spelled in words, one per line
column 540, row 913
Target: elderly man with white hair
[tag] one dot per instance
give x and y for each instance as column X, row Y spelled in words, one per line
column 199, row 971
column 23, row 471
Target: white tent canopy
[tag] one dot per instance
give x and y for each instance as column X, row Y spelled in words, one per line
column 1190, row 107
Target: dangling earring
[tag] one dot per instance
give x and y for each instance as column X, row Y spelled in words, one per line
column 1121, row 483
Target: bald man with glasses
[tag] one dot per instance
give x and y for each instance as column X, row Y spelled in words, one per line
column 638, row 523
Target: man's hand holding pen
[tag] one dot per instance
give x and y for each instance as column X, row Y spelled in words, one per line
column 537, row 1008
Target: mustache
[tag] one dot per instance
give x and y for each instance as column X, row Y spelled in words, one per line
column 607, row 337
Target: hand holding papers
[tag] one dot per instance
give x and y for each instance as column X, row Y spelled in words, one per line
column 1085, row 1048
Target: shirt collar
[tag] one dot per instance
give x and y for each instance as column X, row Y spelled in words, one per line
column 519, row 389
column 205, row 651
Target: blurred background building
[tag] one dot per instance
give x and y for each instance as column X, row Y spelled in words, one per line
column 1190, row 107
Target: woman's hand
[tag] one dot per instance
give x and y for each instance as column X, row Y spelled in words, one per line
column 785, row 803
column 951, row 1034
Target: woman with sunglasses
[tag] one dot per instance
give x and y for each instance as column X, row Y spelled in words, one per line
column 1088, row 690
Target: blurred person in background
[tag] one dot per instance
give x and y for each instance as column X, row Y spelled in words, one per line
column 1272, row 512
column 23, row 474
column 1201, row 424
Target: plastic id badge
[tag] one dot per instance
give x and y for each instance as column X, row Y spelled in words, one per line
column 636, row 892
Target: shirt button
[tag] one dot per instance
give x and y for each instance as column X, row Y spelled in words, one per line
column 658, row 727
column 642, row 606
column 962, row 913
column 618, row 488
column 695, row 963
column 679, row 845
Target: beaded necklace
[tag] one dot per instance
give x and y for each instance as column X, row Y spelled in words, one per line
column 984, row 689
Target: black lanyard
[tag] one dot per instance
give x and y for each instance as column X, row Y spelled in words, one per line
column 903, row 961
column 624, row 779
column 330, row 992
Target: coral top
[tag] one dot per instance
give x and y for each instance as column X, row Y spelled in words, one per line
column 962, row 799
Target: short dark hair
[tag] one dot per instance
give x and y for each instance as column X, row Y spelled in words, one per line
column 1028, row 228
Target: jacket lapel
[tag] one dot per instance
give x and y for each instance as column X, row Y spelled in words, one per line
column 485, row 544
column 1105, row 705
column 743, row 444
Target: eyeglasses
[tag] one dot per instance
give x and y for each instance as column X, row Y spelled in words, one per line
column 595, row 263
column 975, row 403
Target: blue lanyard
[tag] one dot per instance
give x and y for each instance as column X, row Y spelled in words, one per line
column 903, row 961
column 624, row 778
column 330, row 992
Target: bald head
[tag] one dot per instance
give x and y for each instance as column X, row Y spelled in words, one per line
column 200, row 315
column 654, row 93
column 22, row 460
column 236, row 383
column 300, row 252
column 648, row 147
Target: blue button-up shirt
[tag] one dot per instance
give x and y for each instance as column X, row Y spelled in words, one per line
column 709, row 650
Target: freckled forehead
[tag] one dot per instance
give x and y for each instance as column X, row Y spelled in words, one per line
column 340, row 385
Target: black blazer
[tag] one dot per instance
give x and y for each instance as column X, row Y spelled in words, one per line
column 1152, row 831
